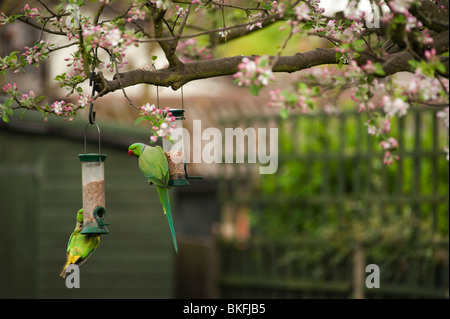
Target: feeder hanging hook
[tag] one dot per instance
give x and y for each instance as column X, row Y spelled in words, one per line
column 91, row 107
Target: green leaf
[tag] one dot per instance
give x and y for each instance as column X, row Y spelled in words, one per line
column 284, row 113
column 254, row 89
column 8, row 102
column 379, row 69
column 59, row 6
column 138, row 120
column 60, row 77
column 23, row 113
column 400, row 19
column 414, row 64
column 5, row 118
column 266, row 6
column 315, row 90
column 358, row 45
column 38, row 99
column 302, row 86
column 308, row 25
column 441, row 67
column 291, row 98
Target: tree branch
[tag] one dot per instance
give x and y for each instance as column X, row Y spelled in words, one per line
column 169, row 47
column 432, row 15
column 39, row 26
column 176, row 78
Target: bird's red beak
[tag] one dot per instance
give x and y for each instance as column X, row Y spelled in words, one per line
column 131, row 153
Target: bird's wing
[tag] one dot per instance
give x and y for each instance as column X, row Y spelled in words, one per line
column 154, row 166
column 84, row 246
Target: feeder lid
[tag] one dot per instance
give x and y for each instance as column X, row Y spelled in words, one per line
column 177, row 112
column 92, row 157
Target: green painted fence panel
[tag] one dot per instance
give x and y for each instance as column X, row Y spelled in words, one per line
column 40, row 193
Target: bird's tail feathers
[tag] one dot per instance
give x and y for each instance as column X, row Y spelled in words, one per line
column 71, row 259
column 164, row 198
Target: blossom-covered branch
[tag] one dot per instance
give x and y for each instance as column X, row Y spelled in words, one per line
column 392, row 36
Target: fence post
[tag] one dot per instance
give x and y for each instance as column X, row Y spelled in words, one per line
column 358, row 271
column 214, row 266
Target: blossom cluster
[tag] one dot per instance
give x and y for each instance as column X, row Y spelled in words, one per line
column 11, row 89
column 224, row 32
column 111, row 39
column 277, row 8
column 192, row 50
column 389, row 146
column 394, row 106
column 254, row 74
column 32, row 56
column 76, row 61
column 30, row 101
column 102, row 36
column 37, row 53
column 255, row 21
column 162, row 121
column 423, row 87
column 135, row 13
column 60, row 107
column 4, row 19
column 31, row 12
column 443, row 115
column 162, row 4
column 23, row 99
column 302, row 98
column 180, row 11
column 400, row 6
column 68, row 110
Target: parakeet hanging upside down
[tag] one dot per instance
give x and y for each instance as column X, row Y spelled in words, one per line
column 80, row 246
column 153, row 164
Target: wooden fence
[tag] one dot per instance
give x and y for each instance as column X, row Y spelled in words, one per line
column 267, row 269
column 332, row 208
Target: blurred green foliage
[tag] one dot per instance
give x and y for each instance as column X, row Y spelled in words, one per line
column 268, row 41
column 331, row 185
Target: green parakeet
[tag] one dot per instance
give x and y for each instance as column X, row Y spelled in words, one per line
column 80, row 246
column 153, row 164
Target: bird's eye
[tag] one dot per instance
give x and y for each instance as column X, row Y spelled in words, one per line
column 135, row 147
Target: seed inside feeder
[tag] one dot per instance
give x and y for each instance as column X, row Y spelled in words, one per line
column 93, row 196
column 176, row 164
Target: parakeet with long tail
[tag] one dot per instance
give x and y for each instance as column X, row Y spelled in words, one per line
column 153, row 164
column 80, row 246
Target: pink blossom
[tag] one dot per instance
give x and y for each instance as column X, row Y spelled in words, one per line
column 395, row 107
column 390, row 144
column 430, row 54
column 257, row 72
column 400, row 6
column 303, row 12
column 358, row 27
column 389, row 158
column 444, row 116
column 58, row 107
